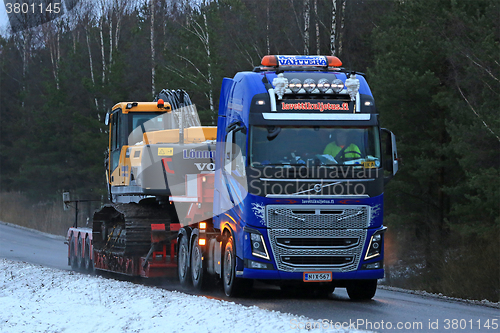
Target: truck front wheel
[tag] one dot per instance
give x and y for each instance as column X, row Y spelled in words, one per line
column 362, row 290
column 233, row 286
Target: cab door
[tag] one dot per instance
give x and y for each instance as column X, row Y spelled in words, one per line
column 116, row 140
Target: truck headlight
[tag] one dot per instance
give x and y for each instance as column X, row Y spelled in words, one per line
column 375, row 246
column 259, row 248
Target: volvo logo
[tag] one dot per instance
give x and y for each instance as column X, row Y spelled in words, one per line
column 318, row 188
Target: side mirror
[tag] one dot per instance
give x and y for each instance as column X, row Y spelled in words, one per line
column 390, row 153
column 272, row 132
column 106, row 120
column 236, row 126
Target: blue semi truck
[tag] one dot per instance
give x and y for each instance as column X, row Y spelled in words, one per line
column 287, row 189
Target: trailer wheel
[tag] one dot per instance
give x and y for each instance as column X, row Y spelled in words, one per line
column 89, row 265
column 198, row 267
column 233, row 286
column 362, row 290
column 80, row 263
column 72, row 253
column 183, row 268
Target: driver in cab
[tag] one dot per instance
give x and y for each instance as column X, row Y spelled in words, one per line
column 342, row 147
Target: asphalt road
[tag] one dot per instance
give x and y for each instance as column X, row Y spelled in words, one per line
column 22, row 244
column 389, row 311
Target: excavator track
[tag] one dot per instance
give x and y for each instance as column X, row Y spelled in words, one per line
column 125, row 229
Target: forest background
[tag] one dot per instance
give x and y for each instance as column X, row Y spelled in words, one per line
column 433, row 66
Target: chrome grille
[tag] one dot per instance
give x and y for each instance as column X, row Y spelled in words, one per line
column 287, row 258
column 321, row 217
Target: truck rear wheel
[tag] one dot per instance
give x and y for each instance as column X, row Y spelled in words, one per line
column 183, row 267
column 198, row 269
column 362, row 290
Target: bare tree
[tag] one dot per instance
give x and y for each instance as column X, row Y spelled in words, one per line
column 24, row 43
column 202, row 33
column 268, row 48
column 307, row 17
column 152, row 41
column 101, row 35
column 340, row 32
column 318, row 51
column 121, row 8
column 337, row 17
column 333, row 31
column 51, row 32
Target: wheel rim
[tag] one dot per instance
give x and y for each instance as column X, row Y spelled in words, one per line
column 228, row 267
column 182, row 261
column 196, row 262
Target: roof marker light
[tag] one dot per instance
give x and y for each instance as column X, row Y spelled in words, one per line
column 269, row 61
column 160, row 104
column 333, row 61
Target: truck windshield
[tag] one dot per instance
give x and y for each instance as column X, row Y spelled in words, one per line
column 314, row 145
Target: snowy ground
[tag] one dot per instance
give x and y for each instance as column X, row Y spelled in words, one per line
column 40, row 299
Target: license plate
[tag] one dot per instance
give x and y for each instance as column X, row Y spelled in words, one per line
column 317, row 276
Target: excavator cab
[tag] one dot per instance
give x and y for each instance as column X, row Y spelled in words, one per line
column 127, row 124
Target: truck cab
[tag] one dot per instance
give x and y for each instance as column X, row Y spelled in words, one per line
column 300, row 172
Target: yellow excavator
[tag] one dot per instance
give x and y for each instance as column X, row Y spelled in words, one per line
column 153, row 148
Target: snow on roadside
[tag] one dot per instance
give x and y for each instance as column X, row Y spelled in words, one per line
column 40, row 299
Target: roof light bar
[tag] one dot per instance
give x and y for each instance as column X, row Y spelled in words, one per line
column 300, row 61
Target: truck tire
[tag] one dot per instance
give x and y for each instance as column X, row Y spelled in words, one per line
column 199, row 273
column 362, row 290
column 183, row 267
column 233, row 286
column 72, row 253
column 89, row 264
column 80, row 262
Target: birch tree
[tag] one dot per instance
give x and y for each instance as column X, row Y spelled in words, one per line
column 333, row 31
column 51, row 32
column 307, row 18
column 318, row 50
column 268, row 47
column 201, row 32
column 152, row 43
